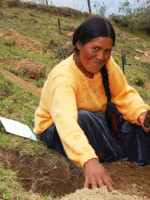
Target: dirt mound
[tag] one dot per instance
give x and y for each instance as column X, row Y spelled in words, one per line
column 21, row 41
column 99, row 194
column 28, row 67
column 31, row 68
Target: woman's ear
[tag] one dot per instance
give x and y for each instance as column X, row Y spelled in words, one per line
column 78, row 45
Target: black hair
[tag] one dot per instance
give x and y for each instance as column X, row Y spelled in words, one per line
column 91, row 28
column 100, row 27
column 111, row 112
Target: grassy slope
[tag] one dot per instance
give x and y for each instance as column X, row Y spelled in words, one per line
column 17, row 103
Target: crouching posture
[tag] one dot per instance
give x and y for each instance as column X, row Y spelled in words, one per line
column 87, row 109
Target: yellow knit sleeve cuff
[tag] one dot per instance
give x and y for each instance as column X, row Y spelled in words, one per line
column 138, row 114
column 86, row 158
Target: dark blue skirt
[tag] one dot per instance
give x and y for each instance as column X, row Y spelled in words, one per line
column 132, row 143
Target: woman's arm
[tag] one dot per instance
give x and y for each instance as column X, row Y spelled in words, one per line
column 65, row 114
column 126, row 98
column 76, row 145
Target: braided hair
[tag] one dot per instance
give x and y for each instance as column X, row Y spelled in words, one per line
column 111, row 112
column 100, row 27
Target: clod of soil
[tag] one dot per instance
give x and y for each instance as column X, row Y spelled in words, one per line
column 147, row 120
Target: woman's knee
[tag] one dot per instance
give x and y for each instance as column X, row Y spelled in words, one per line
column 83, row 115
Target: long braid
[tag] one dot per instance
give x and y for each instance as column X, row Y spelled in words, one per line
column 111, row 110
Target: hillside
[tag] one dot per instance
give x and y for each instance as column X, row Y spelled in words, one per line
column 30, row 46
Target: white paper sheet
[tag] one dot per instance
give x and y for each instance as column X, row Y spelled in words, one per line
column 17, row 128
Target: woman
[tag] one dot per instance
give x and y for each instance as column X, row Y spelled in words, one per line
column 88, row 111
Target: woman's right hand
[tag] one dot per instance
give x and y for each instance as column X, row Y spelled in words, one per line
column 142, row 118
column 96, row 175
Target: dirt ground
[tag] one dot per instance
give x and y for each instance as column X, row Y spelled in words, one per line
column 54, row 173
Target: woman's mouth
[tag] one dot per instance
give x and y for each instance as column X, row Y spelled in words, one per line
column 99, row 63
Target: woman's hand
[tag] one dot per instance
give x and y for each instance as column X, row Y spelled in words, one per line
column 96, row 175
column 141, row 119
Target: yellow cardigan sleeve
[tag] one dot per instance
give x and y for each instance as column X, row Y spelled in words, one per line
column 126, row 98
column 64, row 113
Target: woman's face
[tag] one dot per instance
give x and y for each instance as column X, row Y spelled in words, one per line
column 95, row 53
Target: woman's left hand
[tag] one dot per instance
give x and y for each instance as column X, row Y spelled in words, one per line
column 141, row 119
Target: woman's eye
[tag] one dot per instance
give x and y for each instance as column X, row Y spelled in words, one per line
column 95, row 48
column 108, row 51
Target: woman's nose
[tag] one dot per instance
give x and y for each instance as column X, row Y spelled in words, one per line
column 101, row 55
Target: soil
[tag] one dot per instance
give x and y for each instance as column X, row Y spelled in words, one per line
column 43, row 174
column 31, row 68
column 54, row 173
column 28, row 67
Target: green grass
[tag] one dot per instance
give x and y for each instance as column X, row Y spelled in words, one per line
column 16, row 103
column 40, row 26
column 9, row 185
column 11, row 188
column 136, row 71
column 9, row 50
column 36, row 25
column 137, row 33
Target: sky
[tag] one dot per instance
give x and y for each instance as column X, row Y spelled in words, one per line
column 81, row 5
column 111, row 5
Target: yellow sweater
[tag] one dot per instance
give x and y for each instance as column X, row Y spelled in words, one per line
column 67, row 90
